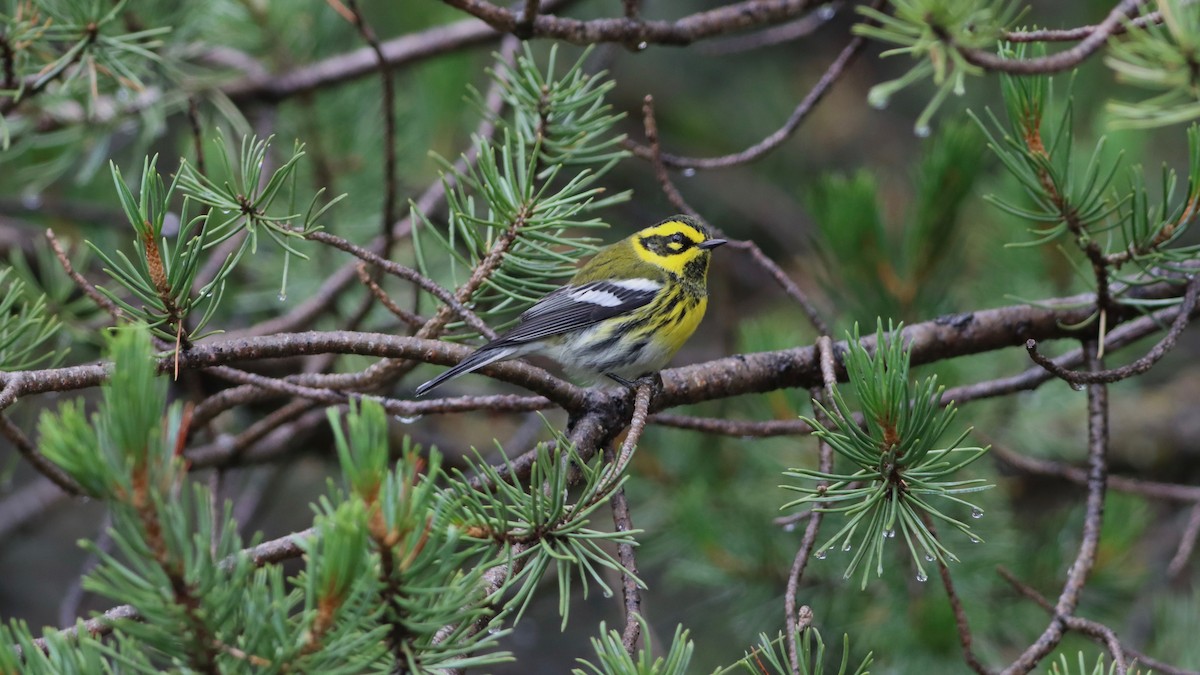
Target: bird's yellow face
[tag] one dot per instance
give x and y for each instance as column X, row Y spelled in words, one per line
column 679, row 245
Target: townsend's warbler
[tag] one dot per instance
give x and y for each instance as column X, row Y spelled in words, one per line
column 623, row 315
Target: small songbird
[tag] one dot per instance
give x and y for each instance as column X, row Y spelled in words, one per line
column 623, row 315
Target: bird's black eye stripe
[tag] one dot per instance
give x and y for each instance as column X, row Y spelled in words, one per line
column 680, row 243
column 666, row 245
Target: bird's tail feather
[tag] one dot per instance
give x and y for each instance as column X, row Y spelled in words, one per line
column 470, row 364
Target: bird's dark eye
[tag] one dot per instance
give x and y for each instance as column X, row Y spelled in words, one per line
column 677, row 238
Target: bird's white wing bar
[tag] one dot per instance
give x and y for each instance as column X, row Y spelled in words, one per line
column 596, row 297
column 643, row 285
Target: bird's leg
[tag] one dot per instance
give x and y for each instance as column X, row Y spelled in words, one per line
column 653, row 379
column 630, row 384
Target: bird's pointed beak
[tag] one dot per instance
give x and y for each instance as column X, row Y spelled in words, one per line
column 710, row 244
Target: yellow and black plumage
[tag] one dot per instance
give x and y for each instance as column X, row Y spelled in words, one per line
column 624, row 314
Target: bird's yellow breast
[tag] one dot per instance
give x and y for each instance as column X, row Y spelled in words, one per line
column 680, row 325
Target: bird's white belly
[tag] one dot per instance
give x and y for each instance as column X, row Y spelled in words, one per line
column 584, row 355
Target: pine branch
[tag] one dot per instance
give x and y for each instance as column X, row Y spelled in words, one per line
column 683, row 31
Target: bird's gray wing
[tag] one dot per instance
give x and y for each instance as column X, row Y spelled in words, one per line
column 573, row 307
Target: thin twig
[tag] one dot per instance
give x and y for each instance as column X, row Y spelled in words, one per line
column 786, row 283
column 1187, row 543
column 637, row 424
column 350, row 66
column 399, row 407
column 825, row 464
column 387, row 79
column 284, row 440
column 83, row 284
column 965, row 639
column 736, row 428
column 390, row 370
column 684, row 31
column 1146, row 488
column 650, row 129
column 788, row 32
column 1099, row 632
column 324, row 363
column 1097, row 476
column 1097, row 483
column 827, row 356
column 1061, row 61
column 776, row 138
column 27, row 449
column 423, row 282
column 225, row 452
column 1116, row 338
column 384, row 299
column 1104, row 635
column 1080, row 33
column 792, row 618
column 1164, row 346
column 282, row 386
column 630, row 591
column 788, row 523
